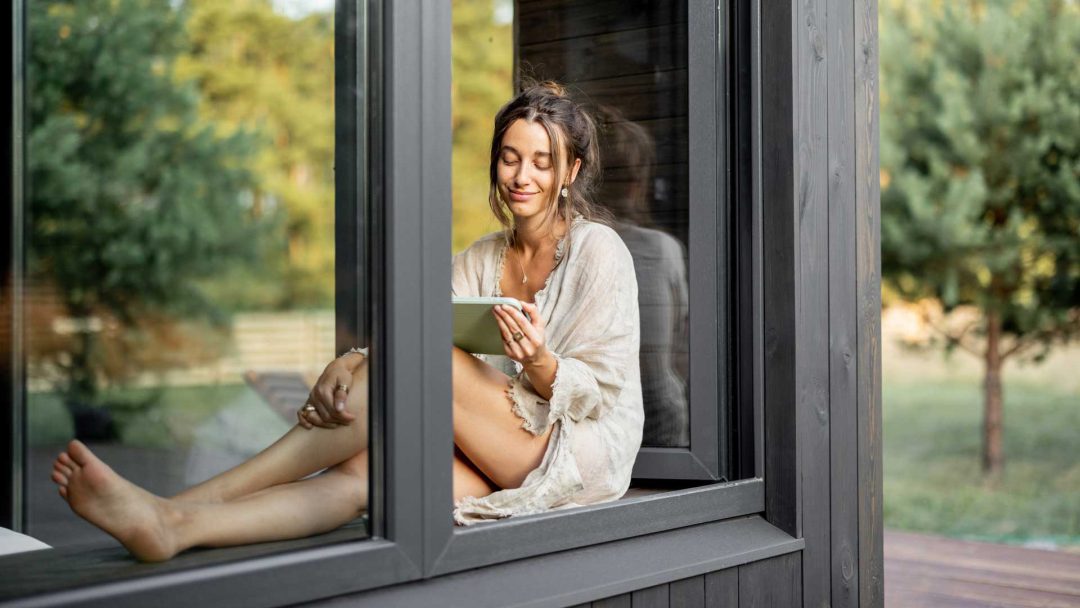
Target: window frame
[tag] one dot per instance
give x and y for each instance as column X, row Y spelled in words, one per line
column 454, row 549
column 412, row 77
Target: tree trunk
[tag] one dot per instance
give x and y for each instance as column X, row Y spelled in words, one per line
column 993, row 456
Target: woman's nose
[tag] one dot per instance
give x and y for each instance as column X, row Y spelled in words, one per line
column 522, row 177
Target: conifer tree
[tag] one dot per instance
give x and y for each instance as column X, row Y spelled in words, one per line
column 980, row 156
column 131, row 198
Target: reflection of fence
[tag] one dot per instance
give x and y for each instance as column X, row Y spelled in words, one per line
column 290, row 341
column 296, row 341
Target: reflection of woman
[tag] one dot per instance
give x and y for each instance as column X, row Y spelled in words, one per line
column 660, row 266
column 553, row 423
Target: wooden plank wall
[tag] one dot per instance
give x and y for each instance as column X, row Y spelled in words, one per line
column 820, row 201
column 820, row 189
column 770, row 583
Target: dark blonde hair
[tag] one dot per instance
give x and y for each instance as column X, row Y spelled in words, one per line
column 573, row 137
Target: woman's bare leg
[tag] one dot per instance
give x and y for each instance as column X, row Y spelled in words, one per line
column 155, row 529
column 485, row 427
column 298, row 453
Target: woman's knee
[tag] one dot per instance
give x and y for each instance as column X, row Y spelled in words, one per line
column 469, row 482
column 355, row 466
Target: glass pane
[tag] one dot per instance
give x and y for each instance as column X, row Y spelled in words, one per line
column 180, row 250
column 626, row 65
column 627, row 61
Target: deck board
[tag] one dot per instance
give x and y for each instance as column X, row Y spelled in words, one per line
column 926, row 570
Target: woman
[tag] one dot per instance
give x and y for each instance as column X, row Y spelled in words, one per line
column 555, row 422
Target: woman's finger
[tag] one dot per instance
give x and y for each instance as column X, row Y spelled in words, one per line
column 342, row 386
column 302, row 420
column 526, row 328
column 535, row 318
column 317, row 420
column 504, row 325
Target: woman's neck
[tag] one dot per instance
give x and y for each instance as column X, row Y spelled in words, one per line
column 534, row 235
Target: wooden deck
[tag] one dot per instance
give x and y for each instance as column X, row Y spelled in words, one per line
column 924, row 570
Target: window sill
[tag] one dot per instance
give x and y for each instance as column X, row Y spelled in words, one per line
column 591, row 573
column 521, row 537
column 267, row 574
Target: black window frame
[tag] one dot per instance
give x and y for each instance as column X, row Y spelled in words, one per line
column 409, row 324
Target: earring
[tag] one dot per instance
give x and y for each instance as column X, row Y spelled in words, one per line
column 565, row 192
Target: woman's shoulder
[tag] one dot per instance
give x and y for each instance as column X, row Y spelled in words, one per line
column 483, row 246
column 598, row 243
column 595, row 237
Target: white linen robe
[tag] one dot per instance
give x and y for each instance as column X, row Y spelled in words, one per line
column 590, row 307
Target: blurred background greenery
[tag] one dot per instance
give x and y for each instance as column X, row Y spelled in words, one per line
column 980, row 194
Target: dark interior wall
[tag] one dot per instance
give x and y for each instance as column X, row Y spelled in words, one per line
column 629, row 56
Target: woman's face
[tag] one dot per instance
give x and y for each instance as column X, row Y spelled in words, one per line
column 525, row 170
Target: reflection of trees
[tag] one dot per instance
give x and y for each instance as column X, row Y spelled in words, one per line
column 483, row 58
column 257, row 69
column 131, row 198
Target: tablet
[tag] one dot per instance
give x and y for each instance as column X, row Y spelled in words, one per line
column 475, row 327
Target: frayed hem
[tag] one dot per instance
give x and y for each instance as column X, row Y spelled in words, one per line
column 516, row 405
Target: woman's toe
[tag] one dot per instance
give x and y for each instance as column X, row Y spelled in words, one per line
column 66, row 460
column 59, row 478
column 79, row 452
column 63, row 492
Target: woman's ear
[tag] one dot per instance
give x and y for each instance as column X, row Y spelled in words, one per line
column 574, row 169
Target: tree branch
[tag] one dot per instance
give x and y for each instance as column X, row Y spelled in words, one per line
column 959, row 338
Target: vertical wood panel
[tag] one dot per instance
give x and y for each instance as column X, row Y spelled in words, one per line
column 722, row 589
column 619, row 601
column 653, row 597
column 812, row 291
column 772, row 583
column 687, row 593
column 868, row 294
column 778, row 268
column 843, row 469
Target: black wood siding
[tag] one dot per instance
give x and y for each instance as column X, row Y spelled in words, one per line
column 770, row 583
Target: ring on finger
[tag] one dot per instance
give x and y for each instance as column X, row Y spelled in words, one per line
column 308, row 408
column 342, row 387
column 518, row 336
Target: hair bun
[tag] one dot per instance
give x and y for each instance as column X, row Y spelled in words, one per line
column 549, row 86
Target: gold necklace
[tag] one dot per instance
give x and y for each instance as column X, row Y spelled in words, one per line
column 524, row 279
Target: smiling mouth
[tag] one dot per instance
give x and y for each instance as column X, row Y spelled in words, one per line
column 520, row 195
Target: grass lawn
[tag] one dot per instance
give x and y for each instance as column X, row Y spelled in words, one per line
column 171, row 420
column 932, row 472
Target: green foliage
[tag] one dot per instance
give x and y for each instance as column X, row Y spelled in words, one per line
column 980, row 155
column 259, row 70
column 131, row 196
column 483, row 59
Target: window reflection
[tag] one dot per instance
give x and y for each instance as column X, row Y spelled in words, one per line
column 627, row 61
column 660, row 265
column 180, row 236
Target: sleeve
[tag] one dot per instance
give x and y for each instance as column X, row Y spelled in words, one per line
column 464, row 280
column 603, row 337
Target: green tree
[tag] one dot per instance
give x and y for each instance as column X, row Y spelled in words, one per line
column 131, row 198
column 980, row 155
column 261, row 70
column 483, row 60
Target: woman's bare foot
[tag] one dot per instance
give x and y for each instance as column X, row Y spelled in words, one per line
column 145, row 524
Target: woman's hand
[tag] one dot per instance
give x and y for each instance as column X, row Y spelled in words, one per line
column 329, row 394
column 523, row 340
